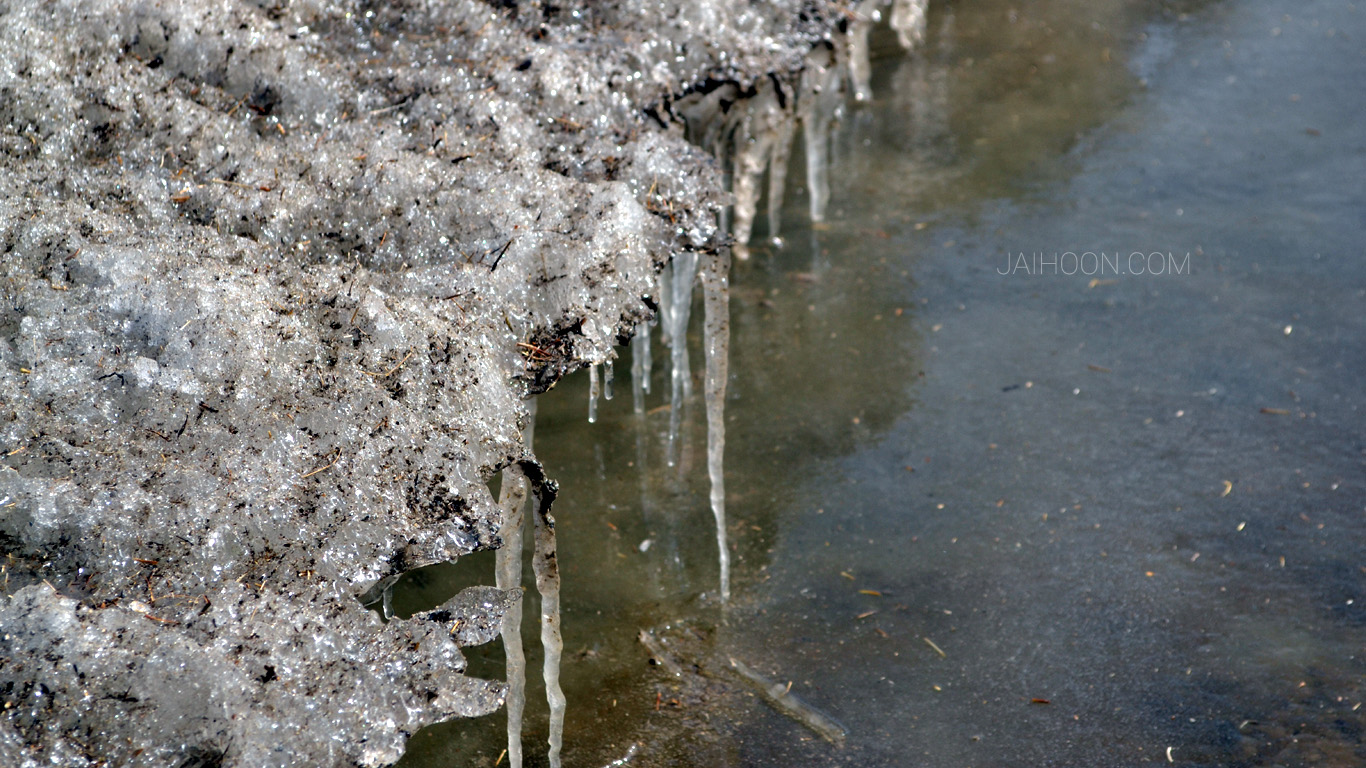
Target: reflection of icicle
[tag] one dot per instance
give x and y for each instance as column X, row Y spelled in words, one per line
column 908, row 19
column 592, row 393
column 640, row 366
column 608, row 376
column 684, row 270
column 716, row 293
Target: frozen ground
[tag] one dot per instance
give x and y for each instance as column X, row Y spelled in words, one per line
column 275, row 279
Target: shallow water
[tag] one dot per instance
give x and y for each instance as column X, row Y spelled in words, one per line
column 1007, row 519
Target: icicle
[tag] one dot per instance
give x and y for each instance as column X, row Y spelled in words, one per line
column 684, row 271
column 666, row 307
column 647, row 361
column 908, row 19
column 716, row 293
column 640, row 366
column 546, row 567
column 777, row 178
column 608, row 375
column 819, row 101
column 529, row 432
column 516, row 480
column 592, row 394
column 751, row 153
column 815, row 132
column 509, row 576
column 762, row 142
column 864, row 15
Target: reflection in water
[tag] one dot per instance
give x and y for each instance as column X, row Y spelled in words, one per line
column 953, row 498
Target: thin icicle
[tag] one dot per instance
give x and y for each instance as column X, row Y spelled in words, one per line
column 757, row 142
column 546, row 567
column 529, row 432
column 592, row 393
column 777, row 178
column 608, row 376
column 716, row 297
column 684, row 271
column 864, row 15
column 647, row 360
column 666, row 306
column 819, row 103
column 640, row 366
column 817, row 182
column 908, row 19
column 509, row 576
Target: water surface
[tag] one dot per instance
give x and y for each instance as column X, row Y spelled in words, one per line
column 1031, row 518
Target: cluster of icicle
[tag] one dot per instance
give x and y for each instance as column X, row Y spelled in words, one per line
column 749, row 137
column 758, row 138
column 521, row 479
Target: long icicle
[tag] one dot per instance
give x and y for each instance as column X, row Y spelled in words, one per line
column 512, row 498
column 545, row 565
column 716, row 297
column 508, row 575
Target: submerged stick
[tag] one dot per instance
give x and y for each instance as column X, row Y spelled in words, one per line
column 658, row 653
column 787, row 702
